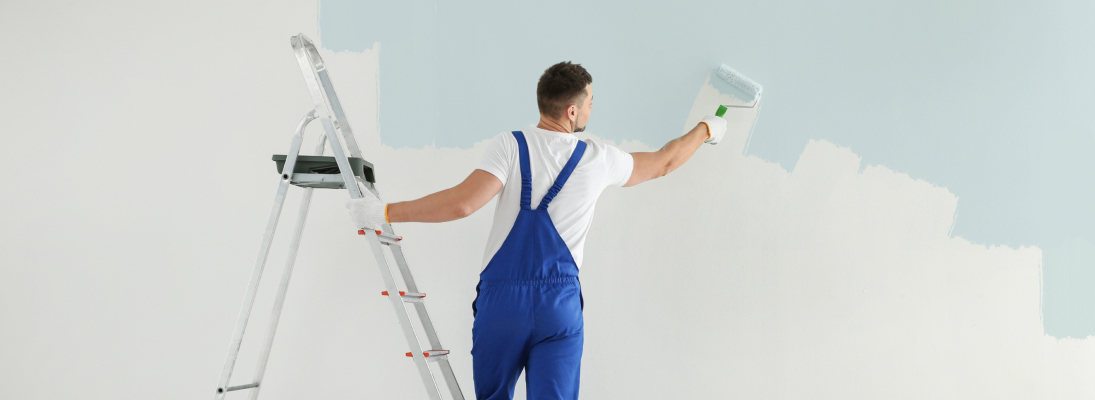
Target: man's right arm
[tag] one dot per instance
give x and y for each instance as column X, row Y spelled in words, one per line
column 656, row 164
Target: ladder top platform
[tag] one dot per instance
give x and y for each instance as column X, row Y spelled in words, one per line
column 308, row 171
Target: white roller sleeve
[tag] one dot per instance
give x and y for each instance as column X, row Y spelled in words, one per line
column 716, row 126
column 738, row 80
column 366, row 212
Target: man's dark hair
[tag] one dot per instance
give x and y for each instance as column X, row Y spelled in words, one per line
column 560, row 86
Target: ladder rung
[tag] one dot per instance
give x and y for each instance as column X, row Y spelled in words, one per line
column 240, row 387
column 384, row 238
column 408, row 297
column 432, row 353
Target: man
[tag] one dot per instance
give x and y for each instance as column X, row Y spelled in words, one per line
column 528, row 308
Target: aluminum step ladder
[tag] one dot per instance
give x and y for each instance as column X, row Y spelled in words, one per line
column 329, row 112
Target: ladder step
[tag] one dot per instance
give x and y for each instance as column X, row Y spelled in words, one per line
column 384, row 238
column 241, row 387
column 432, row 354
column 408, row 297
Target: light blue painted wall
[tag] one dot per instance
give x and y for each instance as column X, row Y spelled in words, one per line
column 992, row 100
column 1073, row 295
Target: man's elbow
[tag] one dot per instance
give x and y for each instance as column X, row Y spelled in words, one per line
column 463, row 209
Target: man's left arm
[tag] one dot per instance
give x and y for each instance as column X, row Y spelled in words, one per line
column 450, row 204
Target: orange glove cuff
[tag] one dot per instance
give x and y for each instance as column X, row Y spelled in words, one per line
column 386, row 214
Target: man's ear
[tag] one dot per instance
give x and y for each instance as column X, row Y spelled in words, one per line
column 572, row 112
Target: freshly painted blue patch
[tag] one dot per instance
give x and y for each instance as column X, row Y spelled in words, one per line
column 991, row 100
column 1069, row 310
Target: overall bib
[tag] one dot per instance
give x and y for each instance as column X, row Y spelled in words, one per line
column 528, row 308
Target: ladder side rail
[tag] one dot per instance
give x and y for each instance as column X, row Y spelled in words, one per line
column 404, row 269
column 408, row 280
column 424, row 318
column 450, row 379
column 326, row 103
column 404, row 317
column 347, row 172
column 336, row 107
column 260, row 263
column 283, row 287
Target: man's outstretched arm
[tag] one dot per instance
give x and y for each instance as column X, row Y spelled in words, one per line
column 450, row 204
column 656, row 164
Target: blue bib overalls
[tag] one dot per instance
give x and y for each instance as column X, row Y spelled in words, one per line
column 528, row 308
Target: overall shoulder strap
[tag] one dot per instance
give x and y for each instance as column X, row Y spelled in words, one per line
column 526, row 171
column 563, row 175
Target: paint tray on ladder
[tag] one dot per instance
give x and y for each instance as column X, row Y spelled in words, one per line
column 323, row 172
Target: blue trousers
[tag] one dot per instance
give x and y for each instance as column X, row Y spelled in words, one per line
column 532, row 325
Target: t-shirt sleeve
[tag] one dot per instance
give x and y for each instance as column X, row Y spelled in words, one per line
column 498, row 156
column 618, row 165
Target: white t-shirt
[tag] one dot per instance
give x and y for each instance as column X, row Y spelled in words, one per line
column 572, row 209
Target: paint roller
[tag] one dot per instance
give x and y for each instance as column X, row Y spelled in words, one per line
column 741, row 82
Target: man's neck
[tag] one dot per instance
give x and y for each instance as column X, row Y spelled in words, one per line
column 556, row 126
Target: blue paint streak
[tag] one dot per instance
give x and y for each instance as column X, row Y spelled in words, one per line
column 1069, row 311
column 991, row 100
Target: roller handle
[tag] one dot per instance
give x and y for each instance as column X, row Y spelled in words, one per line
column 721, row 111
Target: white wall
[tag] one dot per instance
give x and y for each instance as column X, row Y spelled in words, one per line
column 138, row 182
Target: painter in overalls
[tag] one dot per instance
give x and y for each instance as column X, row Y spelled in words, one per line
column 528, row 304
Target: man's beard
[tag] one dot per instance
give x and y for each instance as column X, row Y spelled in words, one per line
column 581, row 128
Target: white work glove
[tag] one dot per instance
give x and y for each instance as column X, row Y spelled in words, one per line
column 368, row 211
column 716, row 127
